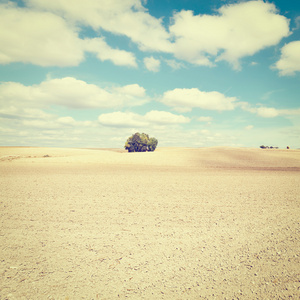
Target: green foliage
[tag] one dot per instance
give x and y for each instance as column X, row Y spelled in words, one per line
column 152, row 143
column 140, row 143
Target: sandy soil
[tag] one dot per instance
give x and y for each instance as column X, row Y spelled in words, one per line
column 218, row 223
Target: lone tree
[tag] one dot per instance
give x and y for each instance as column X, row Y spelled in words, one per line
column 140, row 143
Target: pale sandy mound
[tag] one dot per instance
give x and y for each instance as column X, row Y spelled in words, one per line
column 178, row 223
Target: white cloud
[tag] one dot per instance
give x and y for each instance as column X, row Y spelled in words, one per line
column 297, row 22
column 34, row 113
column 164, row 117
column 69, row 92
column 66, row 121
column 129, row 119
column 69, row 121
column 184, row 100
column 289, row 112
column 289, row 62
column 37, row 37
column 46, row 39
column 249, row 127
column 238, row 30
column 105, row 52
column 121, row 17
column 38, row 124
column 204, row 119
column 152, row 64
column 132, row 90
column 121, row 119
column 175, row 65
column 50, row 131
column 16, row 110
column 74, row 93
column 267, row 112
column 205, row 132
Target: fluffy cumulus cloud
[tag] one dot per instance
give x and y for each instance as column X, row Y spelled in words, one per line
column 289, row 62
column 54, row 122
column 46, row 39
column 184, row 100
column 237, row 31
column 64, row 131
column 132, row 90
column 265, row 112
column 204, row 119
column 71, row 122
column 128, row 18
column 152, row 64
column 133, row 120
column 164, row 117
column 122, row 119
column 104, row 52
column 69, row 92
column 268, row 112
column 37, row 37
column 47, row 33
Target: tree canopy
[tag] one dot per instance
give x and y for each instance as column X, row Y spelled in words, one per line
column 140, row 142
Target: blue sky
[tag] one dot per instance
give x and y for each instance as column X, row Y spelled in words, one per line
column 190, row 73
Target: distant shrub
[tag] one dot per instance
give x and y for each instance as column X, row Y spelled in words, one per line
column 267, row 147
column 140, row 143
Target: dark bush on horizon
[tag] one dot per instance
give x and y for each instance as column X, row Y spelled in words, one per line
column 267, row 147
column 140, row 143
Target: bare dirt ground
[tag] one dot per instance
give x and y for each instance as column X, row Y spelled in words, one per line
column 214, row 223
